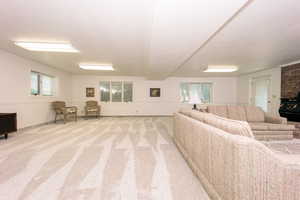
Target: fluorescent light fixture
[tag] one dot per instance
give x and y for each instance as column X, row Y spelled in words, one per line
column 221, row 68
column 104, row 67
column 50, row 47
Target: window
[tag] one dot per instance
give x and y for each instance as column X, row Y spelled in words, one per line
column 46, row 85
column 196, row 92
column 127, row 92
column 105, row 91
column 116, row 91
column 41, row 84
column 35, row 83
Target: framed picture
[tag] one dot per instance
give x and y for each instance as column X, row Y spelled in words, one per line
column 90, row 92
column 154, row 92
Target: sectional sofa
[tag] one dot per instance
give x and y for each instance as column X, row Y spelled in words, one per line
column 263, row 125
column 230, row 163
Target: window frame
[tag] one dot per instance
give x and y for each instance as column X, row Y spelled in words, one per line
column 123, row 83
column 40, row 84
column 110, row 91
column 197, row 82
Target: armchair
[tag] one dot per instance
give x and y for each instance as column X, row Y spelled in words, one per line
column 92, row 109
column 61, row 109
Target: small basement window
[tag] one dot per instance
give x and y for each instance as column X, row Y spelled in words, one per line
column 42, row 84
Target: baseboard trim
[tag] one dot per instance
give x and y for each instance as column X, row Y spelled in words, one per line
column 83, row 117
column 131, row 116
column 34, row 126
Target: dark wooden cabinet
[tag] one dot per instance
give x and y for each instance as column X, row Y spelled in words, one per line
column 8, row 123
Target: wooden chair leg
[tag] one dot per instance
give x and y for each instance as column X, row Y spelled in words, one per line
column 55, row 118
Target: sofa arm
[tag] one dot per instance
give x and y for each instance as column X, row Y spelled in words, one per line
column 275, row 119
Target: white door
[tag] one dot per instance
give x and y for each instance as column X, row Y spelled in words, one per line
column 261, row 93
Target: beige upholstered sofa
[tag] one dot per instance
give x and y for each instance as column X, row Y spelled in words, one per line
column 263, row 125
column 230, row 163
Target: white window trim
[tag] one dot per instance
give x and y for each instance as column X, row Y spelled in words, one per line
column 40, row 85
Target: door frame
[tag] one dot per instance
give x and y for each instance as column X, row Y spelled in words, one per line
column 252, row 93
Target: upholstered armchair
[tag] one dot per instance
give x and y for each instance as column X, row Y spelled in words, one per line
column 92, row 109
column 66, row 112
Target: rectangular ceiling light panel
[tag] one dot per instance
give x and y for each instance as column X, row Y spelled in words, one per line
column 221, row 68
column 97, row 67
column 49, row 47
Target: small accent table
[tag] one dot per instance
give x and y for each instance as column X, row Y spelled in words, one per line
column 8, row 123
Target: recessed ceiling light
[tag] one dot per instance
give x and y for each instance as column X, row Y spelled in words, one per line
column 221, row 68
column 45, row 46
column 104, row 67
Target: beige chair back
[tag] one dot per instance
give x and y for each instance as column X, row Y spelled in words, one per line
column 58, row 104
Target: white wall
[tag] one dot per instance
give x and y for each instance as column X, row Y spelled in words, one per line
column 243, row 89
column 15, row 90
column 224, row 92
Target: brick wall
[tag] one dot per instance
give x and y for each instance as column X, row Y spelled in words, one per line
column 290, row 81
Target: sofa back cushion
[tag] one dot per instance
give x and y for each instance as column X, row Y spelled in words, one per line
column 230, row 126
column 200, row 116
column 254, row 114
column 220, row 110
column 236, row 113
column 185, row 111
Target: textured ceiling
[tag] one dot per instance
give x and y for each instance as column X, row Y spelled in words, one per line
column 156, row 39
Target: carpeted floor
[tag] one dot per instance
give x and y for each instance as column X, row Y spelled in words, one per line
column 125, row 158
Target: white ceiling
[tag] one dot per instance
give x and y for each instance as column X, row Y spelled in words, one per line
column 156, row 38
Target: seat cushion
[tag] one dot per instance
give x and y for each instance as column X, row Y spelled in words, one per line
column 220, row 110
column 269, row 135
column 258, row 126
column 71, row 110
column 289, row 158
column 92, row 109
column 280, row 127
column 236, row 113
column 254, row 114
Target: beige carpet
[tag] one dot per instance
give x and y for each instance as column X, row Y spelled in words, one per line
column 126, row 158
